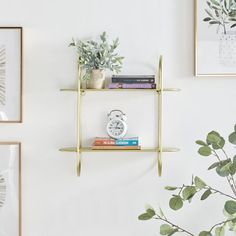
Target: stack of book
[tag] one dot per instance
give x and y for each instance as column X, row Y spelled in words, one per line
column 132, row 82
column 104, row 143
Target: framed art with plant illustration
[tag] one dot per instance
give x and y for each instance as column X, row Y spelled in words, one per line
column 215, row 37
column 11, row 74
column 10, row 189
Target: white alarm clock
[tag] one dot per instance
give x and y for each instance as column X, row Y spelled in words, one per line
column 117, row 127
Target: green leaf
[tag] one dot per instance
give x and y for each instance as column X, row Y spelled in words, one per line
column 214, row 165
column 205, row 233
column 200, row 142
column 221, row 173
column 71, row 44
column 214, row 22
column 232, row 169
column 226, row 167
column 176, row 203
column 151, row 212
column 223, row 169
column 215, row 2
column 232, row 26
column 145, row 216
column 173, row 232
column 219, row 145
column 235, row 127
column 234, row 160
column 206, row 194
column 216, row 8
column 232, row 138
column 166, row 229
column 220, row 231
column 204, row 151
column 170, row 188
column 207, row 19
column 189, row 192
column 230, row 207
column 200, row 184
column 213, row 136
column 103, row 36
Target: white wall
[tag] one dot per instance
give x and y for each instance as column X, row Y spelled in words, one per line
column 113, row 188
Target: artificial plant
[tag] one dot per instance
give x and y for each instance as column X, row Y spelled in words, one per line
column 221, row 13
column 225, row 167
column 94, row 55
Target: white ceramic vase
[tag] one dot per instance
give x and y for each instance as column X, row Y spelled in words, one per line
column 97, row 79
column 227, row 49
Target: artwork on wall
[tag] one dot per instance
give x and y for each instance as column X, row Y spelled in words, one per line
column 11, row 74
column 215, row 38
column 10, row 189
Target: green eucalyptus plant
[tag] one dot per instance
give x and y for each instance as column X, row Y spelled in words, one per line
column 221, row 13
column 94, row 55
column 225, row 167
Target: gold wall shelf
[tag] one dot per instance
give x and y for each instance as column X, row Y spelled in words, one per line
column 159, row 92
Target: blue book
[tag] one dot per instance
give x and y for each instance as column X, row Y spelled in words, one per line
column 127, row 142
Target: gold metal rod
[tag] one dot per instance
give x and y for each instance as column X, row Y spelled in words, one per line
column 160, row 115
column 79, row 138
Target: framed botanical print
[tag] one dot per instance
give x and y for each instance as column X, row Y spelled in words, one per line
column 11, row 74
column 215, row 37
column 10, row 189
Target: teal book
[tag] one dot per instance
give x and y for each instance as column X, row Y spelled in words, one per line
column 127, row 142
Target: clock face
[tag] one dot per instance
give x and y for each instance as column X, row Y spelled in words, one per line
column 116, row 128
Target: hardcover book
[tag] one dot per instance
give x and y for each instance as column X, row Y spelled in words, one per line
column 131, row 86
column 129, row 79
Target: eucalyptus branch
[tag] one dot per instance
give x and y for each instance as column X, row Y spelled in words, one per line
column 232, row 186
column 180, row 229
column 221, row 223
column 233, row 183
column 227, row 157
column 181, row 189
column 225, row 167
column 231, row 176
column 221, row 193
column 209, row 188
column 215, row 154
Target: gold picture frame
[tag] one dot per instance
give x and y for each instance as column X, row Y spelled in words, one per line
column 200, row 28
column 11, row 73
column 9, row 183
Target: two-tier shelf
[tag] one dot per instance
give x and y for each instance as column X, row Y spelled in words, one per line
column 159, row 149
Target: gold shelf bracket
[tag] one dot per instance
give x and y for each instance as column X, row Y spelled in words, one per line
column 160, row 90
column 160, row 114
column 79, row 130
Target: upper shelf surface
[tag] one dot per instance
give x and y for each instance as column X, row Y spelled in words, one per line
column 123, row 90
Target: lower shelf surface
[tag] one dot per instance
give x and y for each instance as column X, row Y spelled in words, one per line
column 89, row 149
